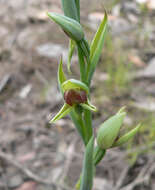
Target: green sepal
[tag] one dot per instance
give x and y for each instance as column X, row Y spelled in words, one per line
column 70, row 54
column 61, row 75
column 122, row 140
column 70, row 26
column 97, row 45
column 89, row 106
column 74, row 84
column 98, row 155
column 88, row 167
column 109, row 130
column 70, row 9
column 62, row 113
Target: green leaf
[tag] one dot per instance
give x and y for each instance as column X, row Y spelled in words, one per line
column 61, row 75
column 63, row 112
column 97, row 45
column 70, row 26
column 70, row 54
column 109, row 130
column 88, row 167
column 74, row 84
column 122, row 140
column 70, row 9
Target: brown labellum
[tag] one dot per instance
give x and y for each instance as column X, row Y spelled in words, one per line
column 75, row 97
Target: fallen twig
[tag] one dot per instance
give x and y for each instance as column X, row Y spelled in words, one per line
column 4, row 82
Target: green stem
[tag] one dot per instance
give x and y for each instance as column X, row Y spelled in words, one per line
column 78, row 184
column 97, row 157
column 79, row 125
column 82, row 65
column 77, row 2
column 88, row 124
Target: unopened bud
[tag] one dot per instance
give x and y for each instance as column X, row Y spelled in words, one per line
column 109, row 130
column 70, row 26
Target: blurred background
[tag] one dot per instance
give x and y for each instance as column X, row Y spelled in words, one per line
column 37, row 156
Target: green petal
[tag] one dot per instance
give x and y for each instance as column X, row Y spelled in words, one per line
column 74, row 84
column 63, row 112
column 122, row 140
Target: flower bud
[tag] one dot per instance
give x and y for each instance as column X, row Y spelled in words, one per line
column 109, row 130
column 70, row 26
column 72, row 97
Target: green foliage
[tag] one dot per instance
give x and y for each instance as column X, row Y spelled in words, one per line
column 96, row 47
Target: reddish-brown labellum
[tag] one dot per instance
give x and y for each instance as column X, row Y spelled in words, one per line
column 75, row 97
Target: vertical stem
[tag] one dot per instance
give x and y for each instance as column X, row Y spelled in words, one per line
column 77, row 120
column 88, row 123
column 77, row 2
column 82, row 65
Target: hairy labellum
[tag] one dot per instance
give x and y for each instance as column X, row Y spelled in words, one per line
column 75, row 97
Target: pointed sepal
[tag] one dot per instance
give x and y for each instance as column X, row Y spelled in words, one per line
column 66, row 109
column 61, row 75
column 125, row 138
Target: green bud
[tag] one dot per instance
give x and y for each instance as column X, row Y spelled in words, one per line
column 70, row 26
column 109, row 130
